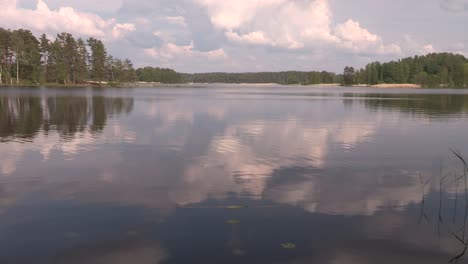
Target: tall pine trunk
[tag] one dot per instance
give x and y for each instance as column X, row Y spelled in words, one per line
column 17, row 69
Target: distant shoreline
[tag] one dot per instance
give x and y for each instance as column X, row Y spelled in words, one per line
column 56, row 85
column 199, row 85
column 391, row 85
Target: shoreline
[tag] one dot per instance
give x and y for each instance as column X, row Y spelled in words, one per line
column 323, row 84
column 399, row 85
column 56, row 85
column 200, row 85
column 391, row 85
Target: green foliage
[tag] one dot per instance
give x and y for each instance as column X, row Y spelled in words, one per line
column 66, row 60
column 432, row 70
column 24, row 51
column 121, row 70
column 286, row 78
column 162, row 75
column 80, row 62
column 97, row 60
column 349, row 76
column 466, row 74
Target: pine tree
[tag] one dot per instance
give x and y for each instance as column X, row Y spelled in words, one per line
column 17, row 47
column 44, row 47
column 98, row 59
column 81, row 61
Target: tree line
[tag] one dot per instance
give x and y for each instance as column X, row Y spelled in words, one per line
column 431, row 70
column 24, row 59
column 286, row 77
column 162, row 75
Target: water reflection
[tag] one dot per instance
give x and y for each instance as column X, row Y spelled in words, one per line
column 158, row 175
column 441, row 106
column 26, row 116
column 47, row 123
column 21, row 117
column 121, row 252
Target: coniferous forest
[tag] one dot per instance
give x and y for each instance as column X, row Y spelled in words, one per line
column 286, row 77
column 66, row 60
column 432, row 70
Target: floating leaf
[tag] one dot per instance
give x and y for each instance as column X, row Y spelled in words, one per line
column 233, row 222
column 288, row 245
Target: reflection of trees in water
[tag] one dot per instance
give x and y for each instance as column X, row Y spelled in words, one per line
column 24, row 117
column 68, row 115
column 20, row 116
column 435, row 105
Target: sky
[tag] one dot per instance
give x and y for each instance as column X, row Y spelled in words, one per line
column 252, row 35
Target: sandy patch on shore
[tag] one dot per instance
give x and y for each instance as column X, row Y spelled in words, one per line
column 390, row 85
column 254, row 84
column 325, row 84
column 397, row 85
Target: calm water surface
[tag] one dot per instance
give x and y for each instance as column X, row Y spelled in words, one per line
column 232, row 174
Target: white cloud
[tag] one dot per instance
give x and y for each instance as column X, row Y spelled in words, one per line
column 43, row 19
column 142, row 21
column 416, row 47
column 176, row 20
column 120, row 30
column 171, row 51
column 257, row 37
column 292, row 25
column 326, row 34
column 356, row 38
column 232, row 14
column 108, row 6
column 429, row 48
column 278, row 23
column 455, row 5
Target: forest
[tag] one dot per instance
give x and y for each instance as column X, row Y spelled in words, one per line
column 287, row 77
column 432, row 70
column 66, row 60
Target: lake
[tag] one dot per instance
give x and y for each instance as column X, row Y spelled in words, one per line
column 233, row 174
